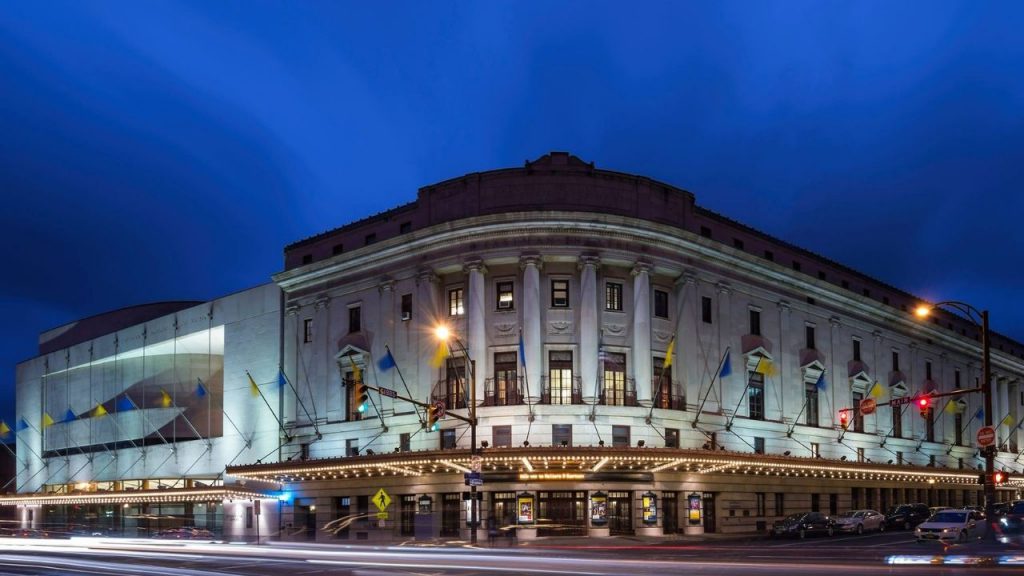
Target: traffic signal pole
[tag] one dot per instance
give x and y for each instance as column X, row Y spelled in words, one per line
column 392, row 394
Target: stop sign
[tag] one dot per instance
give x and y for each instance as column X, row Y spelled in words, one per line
column 867, row 406
column 986, row 436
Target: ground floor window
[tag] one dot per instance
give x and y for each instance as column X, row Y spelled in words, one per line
column 620, row 513
column 565, row 511
column 450, row 513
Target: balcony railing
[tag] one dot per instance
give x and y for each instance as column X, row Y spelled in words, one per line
column 611, row 397
column 575, row 393
column 666, row 400
column 452, row 401
column 511, row 396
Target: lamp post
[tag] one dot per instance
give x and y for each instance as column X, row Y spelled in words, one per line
column 980, row 319
column 446, row 336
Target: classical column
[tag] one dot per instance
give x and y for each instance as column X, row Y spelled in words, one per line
column 728, row 394
column 642, row 332
column 590, row 327
column 476, row 339
column 532, row 335
column 1001, row 397
column 293, row 322
column 322, row 367
column 385, row 327
column 792, row 397
column 428, row 316
column 685, row 362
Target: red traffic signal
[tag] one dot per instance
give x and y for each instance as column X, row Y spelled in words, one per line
column 924, row 404
column 844, row 418
column 1000, row 477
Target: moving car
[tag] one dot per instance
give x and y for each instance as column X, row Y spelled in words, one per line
column 860, row 521
column 803, row 524
column 906, row 516
column 958, row 525
column 1010, row 528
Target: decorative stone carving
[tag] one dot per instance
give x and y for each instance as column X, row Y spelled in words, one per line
column 559, row 327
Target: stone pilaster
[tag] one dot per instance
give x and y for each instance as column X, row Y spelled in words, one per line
column 476, row 316
column 532, row 335
column 642, row 332
column 589, row 326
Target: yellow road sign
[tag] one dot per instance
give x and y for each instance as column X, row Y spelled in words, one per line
column 381, row 500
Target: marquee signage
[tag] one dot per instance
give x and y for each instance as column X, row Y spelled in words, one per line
column 567, row 476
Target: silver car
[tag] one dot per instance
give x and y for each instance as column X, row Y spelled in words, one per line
column 959, row 525
column 861, row 521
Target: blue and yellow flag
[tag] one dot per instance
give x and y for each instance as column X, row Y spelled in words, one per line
column 99, row 411
column 821, row 384
column 669, row 351
column 1009, row 420
column 47, row 420
column 125, row 404
column 877, row 391
column 439, row 355
column 69, row 416
column 387, row 362
column 726, row 367
column 5, row 430
column 765, row 367
column 254, row 390
column 165, row 399
column 200, row 389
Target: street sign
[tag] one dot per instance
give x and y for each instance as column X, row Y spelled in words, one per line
column 901, row 401
column 474, row 479
column 387, row 392
column 382, row 515
column 381, row 500
column 439, row 406
column 867, row 406
column 986, row 436
column 476, row 464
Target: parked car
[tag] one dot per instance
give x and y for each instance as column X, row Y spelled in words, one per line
column 906, row 516
column 933, row 510
column 804, row 524
column 860, row 521
column 959, row 525
column 185, row 534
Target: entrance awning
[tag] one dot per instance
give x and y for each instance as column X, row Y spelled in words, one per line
column 212, row 494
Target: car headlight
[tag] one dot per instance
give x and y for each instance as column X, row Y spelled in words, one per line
column 948, row 530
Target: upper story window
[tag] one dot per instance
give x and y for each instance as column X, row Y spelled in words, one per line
column 406, row 306
column 895, row 360
column 755, row 322
column 307, row 330
column 928, row 370
column 769, row 255
column 796, row 265
column 613, row 296
column 737, row 243
column 660, row 304
column 371, row 238
column 337, row 249
column 956, row 381
column 705, row 309
column 307, row 258
column 405, row 228
column 506, row 297
column 809, row 333
column 456, row 303
column 560, row 293
column 354, row 319
column 856, row 350
column 705, row 231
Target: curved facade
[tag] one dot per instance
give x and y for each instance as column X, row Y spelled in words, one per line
column 638, row 364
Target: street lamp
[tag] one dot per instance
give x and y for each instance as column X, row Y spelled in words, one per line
column 980, row 319
column 446, row 336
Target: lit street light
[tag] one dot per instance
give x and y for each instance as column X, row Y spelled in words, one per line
column 446, row 336
column 980, row 319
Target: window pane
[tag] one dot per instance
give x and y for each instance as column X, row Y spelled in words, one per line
column 559, row 293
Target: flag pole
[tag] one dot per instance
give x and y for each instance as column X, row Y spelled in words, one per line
column 408, row 392
column 254, row 386
column 717, row 376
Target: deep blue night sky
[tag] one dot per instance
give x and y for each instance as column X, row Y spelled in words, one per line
column 156, row 151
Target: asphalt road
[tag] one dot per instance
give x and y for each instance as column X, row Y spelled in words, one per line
column 889, row 553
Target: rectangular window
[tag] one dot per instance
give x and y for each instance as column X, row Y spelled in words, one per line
column 248, row 516
column 370, row 239
column 958, row 432
column 671, row 438
column 860, row 455
column 561, row 434
column 815, row 450
column 620, row 436
column 758, row 445
column 755, row 322
column 352, row 447
column 506, row 299
column 755, row 396
column 780, row 503
column 705, row 231
column 560, row 377
column 403, row 442
column 660, row 304
column 448, row 439
column 759, row 504
column 928, row 370
column 613, row 296
column 406, row 306
column 307, row 258
column 956, row 378
column 705, row 309
column 856, row 350
column 337, row 249
column 307, row 330
column 796, row 265
column 505, row 389
column 405, row 227
column 895, row 361
column 663, row 386
column 455, row 382
column 769, row 256
column 559, row 293
column 811, row 399
column 815, row 502
column 833, row 504
column 456, row 305
column 899, row 457
column 929, row 425
column 615, row 380
column 501, row 436
column 737, row 243
column 897, row 422
column 809, row 333
column 858, row 417
column 354, row 319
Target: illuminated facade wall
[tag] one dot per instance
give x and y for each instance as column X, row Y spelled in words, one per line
column 167, row 398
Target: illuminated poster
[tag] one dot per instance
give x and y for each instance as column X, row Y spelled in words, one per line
column 693, row 507
column 599, row 509
column 524, row 505
column 649, row 503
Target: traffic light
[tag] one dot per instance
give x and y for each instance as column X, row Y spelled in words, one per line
column 844, row 418
column 924, row 404
column 433, row 415
column 362, row 396
column 1000, row 477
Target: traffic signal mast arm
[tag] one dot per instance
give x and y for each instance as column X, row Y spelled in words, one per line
column 392, row 394
column 909, row 399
